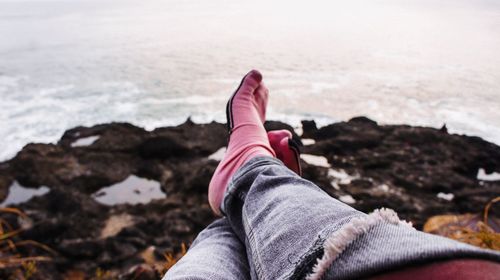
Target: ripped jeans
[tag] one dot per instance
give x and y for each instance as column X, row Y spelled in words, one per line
column 278, row 225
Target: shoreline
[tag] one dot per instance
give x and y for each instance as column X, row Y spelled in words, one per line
column 293, row 121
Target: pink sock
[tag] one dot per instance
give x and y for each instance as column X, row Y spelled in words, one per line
column 286, row 150
column 245, row 113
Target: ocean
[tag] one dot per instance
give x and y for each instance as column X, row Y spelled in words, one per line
column 155, row 63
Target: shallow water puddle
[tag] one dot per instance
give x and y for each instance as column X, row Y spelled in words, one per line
column 481, row 175
column 315, row 160
column 308, row 141
column 85, row 141
column 19, row 194
column 347, row 199
column 133, row 190
column 218, row 155
column 299, row 130
column 340, row 177
column 446, row 196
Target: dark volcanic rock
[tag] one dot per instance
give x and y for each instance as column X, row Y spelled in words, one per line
column 186, row 140
column 399, row 167
column 413, row 165
column 5, row 182
column 308, row 128
column 113, row 137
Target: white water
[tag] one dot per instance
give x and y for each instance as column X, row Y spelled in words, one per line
column 80, row 62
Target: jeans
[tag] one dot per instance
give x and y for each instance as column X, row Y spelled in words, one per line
column 278, row 225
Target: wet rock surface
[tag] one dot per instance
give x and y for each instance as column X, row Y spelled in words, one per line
column 371, row 166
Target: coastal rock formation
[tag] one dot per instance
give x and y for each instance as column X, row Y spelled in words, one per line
column 417, row 171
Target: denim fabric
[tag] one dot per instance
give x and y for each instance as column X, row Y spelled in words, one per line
column 280, row 216
column 216, row 253
column 388, row 247
column 283, row 222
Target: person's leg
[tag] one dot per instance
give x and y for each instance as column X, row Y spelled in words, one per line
column 245, row 111
column 246, row 114
column 453, row 269
column 288, row 223
column 291, row 228
column 215, row 254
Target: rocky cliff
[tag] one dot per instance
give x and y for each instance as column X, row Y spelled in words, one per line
column 417, row 171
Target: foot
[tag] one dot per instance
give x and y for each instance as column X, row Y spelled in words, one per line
column 245, row 112
column 285, row 149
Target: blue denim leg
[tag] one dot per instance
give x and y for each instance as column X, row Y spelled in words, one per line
column 216, row 253
column 290, row 226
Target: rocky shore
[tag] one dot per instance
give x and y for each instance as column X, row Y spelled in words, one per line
column 417, row 171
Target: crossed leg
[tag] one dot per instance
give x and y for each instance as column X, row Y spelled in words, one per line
column 216, row 253
column 290, row 228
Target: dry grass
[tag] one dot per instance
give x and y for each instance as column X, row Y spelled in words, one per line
column 12, row 261
column 171, row 259
column 473, row 229
column 161, row 266
column 99, row 274
column 152, row 267
column 468, row 228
